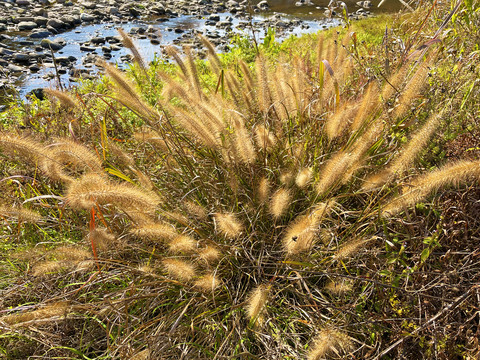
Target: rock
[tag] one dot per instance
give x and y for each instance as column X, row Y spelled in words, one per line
column 97, row 40
column 64, row 60
column 14, row 68
column 87, row 48
column 34, row 68
column 40, row 20
column 3, row 27
column 113, row 10
column 263, row 5
column 40, row 34
column 88, row 5
column 158, row 10
column 39, row 93
column 56, row 24
column 214, row 17
column 26, row 25
column 87, row 17
column 23, row 2
column 49, row 44
column 21, row 58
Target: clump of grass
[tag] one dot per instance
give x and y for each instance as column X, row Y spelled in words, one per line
column 235, row 188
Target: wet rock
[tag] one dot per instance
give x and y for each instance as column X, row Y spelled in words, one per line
column 26, row 25
column 23, row 2
column 34, row 68
column 55, row 45
column 87, row 48
column 3, row 27
column 21, row 58
column 158, row 10
column 40, row 34
column 97, row 40
column 214, row 18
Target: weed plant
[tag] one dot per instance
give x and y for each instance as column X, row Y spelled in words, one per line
column 260, row 218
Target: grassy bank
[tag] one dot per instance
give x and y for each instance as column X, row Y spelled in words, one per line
column 311, row 199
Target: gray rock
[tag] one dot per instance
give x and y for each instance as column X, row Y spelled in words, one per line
column 49, row 44
column 87, row 48
column 113, row 10
column 21, row 58
column 214, row 17
column 89, row 5
column 14, row 68
column 56, row 24
column 27, row 25
column 40, row 34
column 87, row 17
column 23, row 2
column 3, row 27
column 40, row 20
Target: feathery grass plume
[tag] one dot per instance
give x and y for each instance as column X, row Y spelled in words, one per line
column 329, row 341
column 408, row 155
column 212, row 55
column 263, row 190
column 243, row 147
column 128, row 43
column 348, row 249
column 411, row 90
column 153, row 138
column 255, row 305
column 179, row 270
column 207, row 283
column 209, row 254
column 340, row 120
column 303, row 178
column 394, row 83
column 92, row 189
column 63, row 97
column 192, row 72
column 49, row 312
column 171, row 51
column 338, row 288
column 367, row 108
column 301, row 232
column 23, row 147
column 47, row 267
column 204, row 133
column 120, row 155
column 143, row 180
column 333, row 170
column 103, row 240
column 228, row 224
column 65, row 150
column 423, row 185
column 263, row 86
column 195, row 210
column 286, row 177
column 280, row 202
column 182, row 244
column 247, row 77
column 142, row 355
column 155, row 232
column 264, row 138
column 128, row 95
column 19, row 214
column 71, row 253
column 281, row 100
